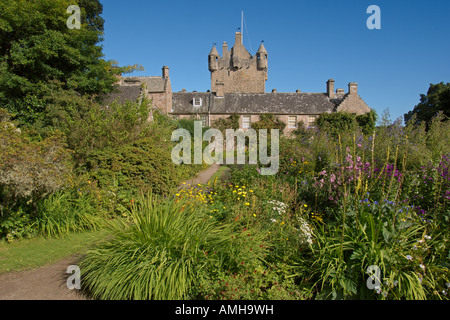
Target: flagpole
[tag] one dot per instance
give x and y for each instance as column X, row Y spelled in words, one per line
column 242, row 26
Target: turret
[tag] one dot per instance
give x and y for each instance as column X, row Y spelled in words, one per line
column 261, row 56
column 213, row 59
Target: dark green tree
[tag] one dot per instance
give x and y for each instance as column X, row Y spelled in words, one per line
column 437, row 99
column 39, row 54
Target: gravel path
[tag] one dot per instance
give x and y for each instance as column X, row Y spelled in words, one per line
column 50, row 282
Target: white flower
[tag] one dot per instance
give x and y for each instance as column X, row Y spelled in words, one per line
column 409, row 257
column 427, row 237
column 422, row 266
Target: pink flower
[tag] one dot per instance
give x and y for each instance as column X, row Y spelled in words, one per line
column 332, row 178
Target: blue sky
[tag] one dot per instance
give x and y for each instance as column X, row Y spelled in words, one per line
column 308, row 42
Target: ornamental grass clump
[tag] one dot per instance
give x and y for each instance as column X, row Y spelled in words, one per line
column 157, row 256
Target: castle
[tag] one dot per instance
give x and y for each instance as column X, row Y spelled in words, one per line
column 238, row 86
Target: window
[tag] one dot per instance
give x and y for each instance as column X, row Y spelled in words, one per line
column 197, row 102
column 204, row 119
column 292, row 122
column 311, row 121
column 246, row 122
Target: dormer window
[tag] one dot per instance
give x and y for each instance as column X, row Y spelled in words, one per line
column 197, row 102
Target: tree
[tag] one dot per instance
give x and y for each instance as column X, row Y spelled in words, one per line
column 437, row 99
column 39, row 54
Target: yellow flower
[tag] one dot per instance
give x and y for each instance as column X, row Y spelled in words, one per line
column 254, row 215
column 247, row 204
column 251, row 191
column 305, row 205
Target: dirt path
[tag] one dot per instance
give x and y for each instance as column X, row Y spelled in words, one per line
column 45, row 283
column 50, row 282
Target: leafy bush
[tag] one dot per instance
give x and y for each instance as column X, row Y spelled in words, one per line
column 16, row 225
column 139, row 166
column 30, row 170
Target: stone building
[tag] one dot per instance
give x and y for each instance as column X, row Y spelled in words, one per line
column 238, row 86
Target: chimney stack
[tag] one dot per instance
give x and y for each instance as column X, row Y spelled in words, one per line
column 238, row 38
column 353, row 88
column 225, row 50
column 340, row 93
column 330, row 89
column 165, row 72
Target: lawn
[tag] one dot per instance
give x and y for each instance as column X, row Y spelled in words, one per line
column 25, row 254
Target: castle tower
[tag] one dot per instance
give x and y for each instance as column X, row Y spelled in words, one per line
column 213, row 59
column 237, row 70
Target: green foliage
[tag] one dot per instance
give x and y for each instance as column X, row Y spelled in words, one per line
column 158, row 256
column 341, row 122
column 99, row 127
column 39, row 54
column 337, row 123
column 16, row 225
column 231, row 122
column 65, row 212
column 143, row 165
column 367, row 121
column 30, row 170
column 268, row 121
column 367, row 234
column 436, row 100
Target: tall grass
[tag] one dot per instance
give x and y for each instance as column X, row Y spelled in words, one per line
column 156, row 256
column 63, row 213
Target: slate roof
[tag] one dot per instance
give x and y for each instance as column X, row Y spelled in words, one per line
column 154, row 84
column 254, row 103
column 123, row 94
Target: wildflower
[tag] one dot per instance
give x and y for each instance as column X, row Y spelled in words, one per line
column 427, row 237
column 247, row 204
column 422, row 266
column 254, row 215
column 409, row 257
column 305, row 205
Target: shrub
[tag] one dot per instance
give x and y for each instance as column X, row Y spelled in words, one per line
column 30, row 170
column 138, row 166
column 337, row 123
